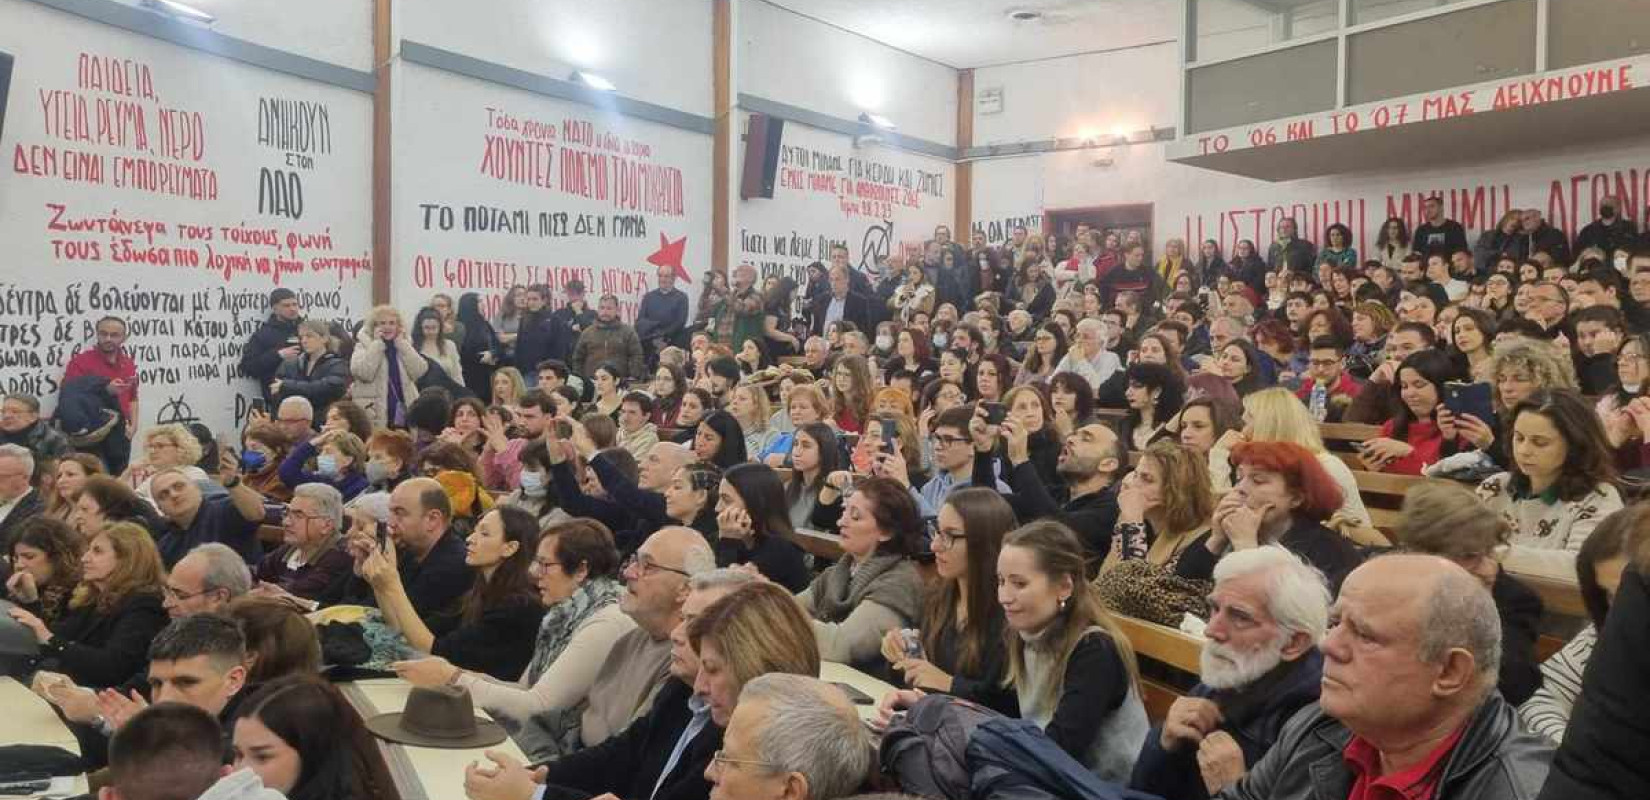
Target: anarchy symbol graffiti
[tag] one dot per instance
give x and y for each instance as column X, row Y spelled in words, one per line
column 176, row 411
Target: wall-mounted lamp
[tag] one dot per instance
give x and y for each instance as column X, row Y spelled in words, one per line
column 593, row 81
column 175, row 9
column 877, row 121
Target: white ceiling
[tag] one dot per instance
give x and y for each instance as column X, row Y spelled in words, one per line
column 979, row 33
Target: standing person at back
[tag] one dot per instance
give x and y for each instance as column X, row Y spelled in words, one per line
column 609, row 340
column 109, row 359
column 571, row 320
column 275, row 341
column 1437, row 233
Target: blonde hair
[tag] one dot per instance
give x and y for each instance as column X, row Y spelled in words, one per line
column 760, row 409
column 188, row 446
column 758, row 628
column 1276, row 415
column 1535, row 357
column 815, row 398
column 138, row 568
column 1447, row 519
column 378, row 313
column 517, row 384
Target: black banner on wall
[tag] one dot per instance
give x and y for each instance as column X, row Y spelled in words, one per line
column 5, row 87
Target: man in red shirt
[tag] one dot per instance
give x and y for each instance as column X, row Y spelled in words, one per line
column 1408, row 708
column 109, row 359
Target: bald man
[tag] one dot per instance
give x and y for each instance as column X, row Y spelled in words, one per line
column 655, row 584
column 429, row 556
column 633, row 509
column 1408, row 705
column 1087, row 503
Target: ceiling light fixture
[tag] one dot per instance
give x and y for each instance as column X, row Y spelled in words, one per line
column 593, row 81
column 1024, row 15
column 172, row 8
column 877, row 121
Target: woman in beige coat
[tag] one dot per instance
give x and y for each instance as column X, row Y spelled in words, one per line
column 382, row 350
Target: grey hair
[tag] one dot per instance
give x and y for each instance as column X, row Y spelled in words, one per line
column 319, row 328
column 329, row 503
column 721, row 578
column 298, row 401
column 225, row 569
column 1297, row 596
column 1089, row 324
column 697, row 559
column 811, row 729
column 20, row 453
column 1461, row 613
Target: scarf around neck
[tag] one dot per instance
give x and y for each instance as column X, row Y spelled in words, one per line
column 563, row 619
column 840, row 589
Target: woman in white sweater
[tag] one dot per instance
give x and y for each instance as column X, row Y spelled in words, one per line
column 576, row 567
column 1275, row 415
column 1560, row 485
column 386, row 368
column 1599, row 566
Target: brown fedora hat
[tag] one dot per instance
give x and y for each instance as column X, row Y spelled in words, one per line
column 442, row 716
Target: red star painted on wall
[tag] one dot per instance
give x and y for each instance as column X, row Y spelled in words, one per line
column 669, row 254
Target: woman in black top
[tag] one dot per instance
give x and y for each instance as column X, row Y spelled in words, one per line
column 960, row 647
column 1282, row 496
column 116, row 610
column 719, row 440
column 754, row 526
column 480, row 351
column 497, row 623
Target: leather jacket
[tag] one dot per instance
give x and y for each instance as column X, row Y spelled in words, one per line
column 1493, row 760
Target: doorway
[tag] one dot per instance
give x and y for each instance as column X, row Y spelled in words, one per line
column 1120, row 219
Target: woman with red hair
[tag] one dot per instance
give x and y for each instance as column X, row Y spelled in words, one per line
column 1282, row 496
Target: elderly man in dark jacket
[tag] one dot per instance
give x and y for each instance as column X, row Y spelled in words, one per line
column 20, row 424
column 1260, row 665
column 275, row 341
column 1408, row 706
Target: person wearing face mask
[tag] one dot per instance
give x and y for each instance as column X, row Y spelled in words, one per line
column 390, row 456
column 263, row 448
column 1611, row 232
column 340, row 459
column 1282, row 496
column 534, row 492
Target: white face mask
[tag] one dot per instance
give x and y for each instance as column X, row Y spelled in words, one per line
column 885, row 342
column 940, row 340
column 532, row 483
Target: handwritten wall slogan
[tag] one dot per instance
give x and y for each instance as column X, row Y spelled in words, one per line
column 873, row 199
column 516, row 189
column 174, row 190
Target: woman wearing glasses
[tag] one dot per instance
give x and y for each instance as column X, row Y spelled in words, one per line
column 310, row 565
column 959, row 649
column 493, row 631
column 576, row 567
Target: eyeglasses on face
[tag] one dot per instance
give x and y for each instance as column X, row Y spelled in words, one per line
column 719, row 761
column 647, row 566
column 948, row 441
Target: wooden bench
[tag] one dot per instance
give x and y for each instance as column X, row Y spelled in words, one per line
column 271, row 536
column 818, row 543
column 1164, row 645
column 1341, row 438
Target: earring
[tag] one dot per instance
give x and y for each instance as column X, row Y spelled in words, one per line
column 1063, row 605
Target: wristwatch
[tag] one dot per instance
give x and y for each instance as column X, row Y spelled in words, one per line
column 232, row 482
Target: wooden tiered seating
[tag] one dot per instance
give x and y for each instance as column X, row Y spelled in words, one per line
column 1164, row 645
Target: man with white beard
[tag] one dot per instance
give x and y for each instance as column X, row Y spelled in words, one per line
column 1260, row 665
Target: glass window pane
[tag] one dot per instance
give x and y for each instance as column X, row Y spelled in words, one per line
column 1364, row 11
column 1227, row 28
